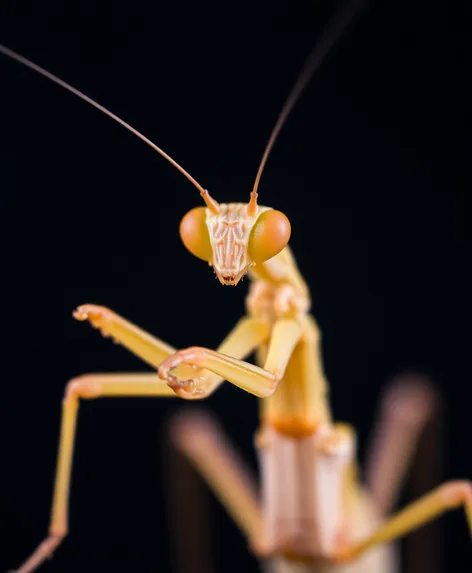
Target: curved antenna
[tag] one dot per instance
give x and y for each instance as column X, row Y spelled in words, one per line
column 211, row 203
column 313, row 61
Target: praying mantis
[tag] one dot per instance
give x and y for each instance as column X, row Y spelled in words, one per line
column 314, row 514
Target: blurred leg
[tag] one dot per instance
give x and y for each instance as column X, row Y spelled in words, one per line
column 201, row 440
column 451, row 495
column 424, row 547
column 406, row 406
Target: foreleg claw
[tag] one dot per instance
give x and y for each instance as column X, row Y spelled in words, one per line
column 187, row 388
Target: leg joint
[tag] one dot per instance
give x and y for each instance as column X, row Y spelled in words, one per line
column 86, row 386
column 57, row 533
column 457, row 492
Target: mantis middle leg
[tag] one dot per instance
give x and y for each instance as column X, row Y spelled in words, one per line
column 83, row 387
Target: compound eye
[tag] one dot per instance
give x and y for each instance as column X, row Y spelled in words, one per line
column 194, row 234
column 269, row 236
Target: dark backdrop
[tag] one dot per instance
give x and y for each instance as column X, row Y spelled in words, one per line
column 370, row 169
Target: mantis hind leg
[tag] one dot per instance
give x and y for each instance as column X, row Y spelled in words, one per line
column 448, row 496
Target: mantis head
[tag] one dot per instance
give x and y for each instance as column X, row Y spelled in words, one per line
column 232, row 237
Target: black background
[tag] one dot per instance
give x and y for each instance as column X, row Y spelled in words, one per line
column 370, row 169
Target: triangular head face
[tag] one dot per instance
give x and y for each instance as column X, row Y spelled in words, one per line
column 232, row 237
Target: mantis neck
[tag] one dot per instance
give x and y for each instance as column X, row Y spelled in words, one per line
column 278, row 289
column 281, row 270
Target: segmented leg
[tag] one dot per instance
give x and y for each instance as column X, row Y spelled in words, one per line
column 261, row 382
column 147, row 347
column 423, row 548
column 85, row 387
column 448, row 496
column 406, row 406
column 199, row 437
column 246, row 336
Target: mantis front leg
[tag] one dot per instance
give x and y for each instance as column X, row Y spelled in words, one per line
column 225, row 363
column 246, row 336
column 258, row 381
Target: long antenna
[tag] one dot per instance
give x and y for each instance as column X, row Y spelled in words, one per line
column 313, row 61
column 28, row 63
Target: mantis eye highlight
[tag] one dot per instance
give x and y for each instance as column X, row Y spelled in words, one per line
column 269, row 236
column 194, row 234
